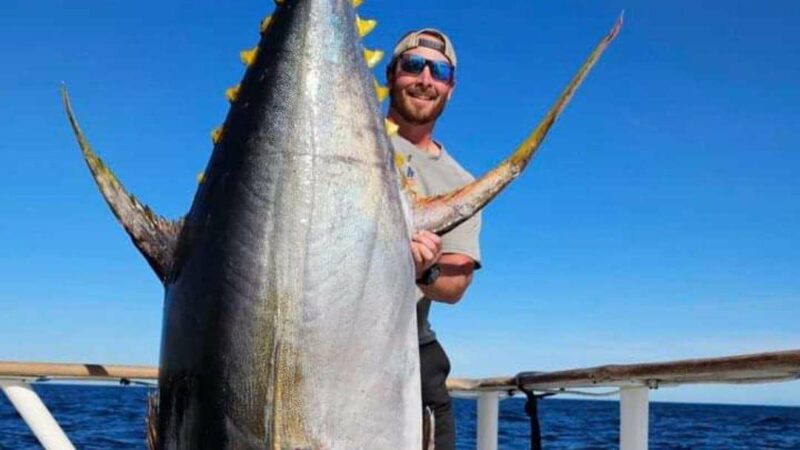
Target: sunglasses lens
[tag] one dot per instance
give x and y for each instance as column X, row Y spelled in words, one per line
column 442, row 71
column 412, row 64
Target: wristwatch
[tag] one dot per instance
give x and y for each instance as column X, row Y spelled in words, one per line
column 429, row 276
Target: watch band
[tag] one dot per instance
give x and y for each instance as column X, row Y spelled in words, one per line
column 429, row 276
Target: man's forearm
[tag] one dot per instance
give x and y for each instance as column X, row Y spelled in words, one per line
column 456, row 275
column 447, row 289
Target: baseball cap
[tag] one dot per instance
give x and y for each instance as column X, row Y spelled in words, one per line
column 417, row 38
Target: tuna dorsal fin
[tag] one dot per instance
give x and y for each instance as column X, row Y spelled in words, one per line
column 154, row 236
column 442, row 213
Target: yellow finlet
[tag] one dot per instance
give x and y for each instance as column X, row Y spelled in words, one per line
column 373, row 57
column 201, row 177
column 391, row 130
column 232, row 93
column 381, row 91
column 357, row 3
column 216, row 134
column 265, row 24
column 365, row 26
column 249, row 56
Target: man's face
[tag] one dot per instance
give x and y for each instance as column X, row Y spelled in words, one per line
column 419, row 98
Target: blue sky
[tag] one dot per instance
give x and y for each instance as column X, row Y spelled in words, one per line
column 659, row 220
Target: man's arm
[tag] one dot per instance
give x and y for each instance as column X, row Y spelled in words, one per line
column 455, row 277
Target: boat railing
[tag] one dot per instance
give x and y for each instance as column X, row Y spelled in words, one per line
column 633, row 381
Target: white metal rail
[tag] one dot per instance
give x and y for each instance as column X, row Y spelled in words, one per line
column 36, row 415
column 634, row 412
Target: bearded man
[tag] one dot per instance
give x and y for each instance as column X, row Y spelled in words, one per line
column 421, row 78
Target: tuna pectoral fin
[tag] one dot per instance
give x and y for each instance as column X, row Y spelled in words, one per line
column 443, row 212
column 153, row 235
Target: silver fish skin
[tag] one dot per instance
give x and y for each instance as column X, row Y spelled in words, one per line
column 289, row 312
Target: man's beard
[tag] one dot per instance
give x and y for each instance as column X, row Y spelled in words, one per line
column 401, row 102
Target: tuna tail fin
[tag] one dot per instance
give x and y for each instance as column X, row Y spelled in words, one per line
column 154, row 236
column 444, row 212
column 152, row 421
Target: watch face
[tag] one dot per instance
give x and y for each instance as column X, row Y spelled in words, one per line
column 436, row 270
column 430, row 275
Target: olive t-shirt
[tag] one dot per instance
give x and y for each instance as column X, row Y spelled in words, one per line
column 433, row 175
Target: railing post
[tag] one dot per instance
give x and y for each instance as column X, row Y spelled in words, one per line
column 488, row 412
column 634, row 408
column 36, row 415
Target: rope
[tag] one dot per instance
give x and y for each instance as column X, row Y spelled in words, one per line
column 121, row 381
column 532, row 406
column 532, row 410
column 581, row 393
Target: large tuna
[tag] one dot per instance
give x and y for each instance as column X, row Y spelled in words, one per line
column 289, row 309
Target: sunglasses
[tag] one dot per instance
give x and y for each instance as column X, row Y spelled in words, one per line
column 415, row 64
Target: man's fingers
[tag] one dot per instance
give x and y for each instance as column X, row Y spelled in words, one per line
column 415, row 253
column 429, row 240
column 430, row 235
column 426, row 236
column 426, row 248
column 427, row 253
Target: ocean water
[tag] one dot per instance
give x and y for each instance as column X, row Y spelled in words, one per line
column 111, row 417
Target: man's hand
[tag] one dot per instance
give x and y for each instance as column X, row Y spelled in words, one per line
column 426, row 248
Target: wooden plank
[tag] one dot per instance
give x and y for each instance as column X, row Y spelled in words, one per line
column 754, row 368
column 75, row 371
column 737, row 369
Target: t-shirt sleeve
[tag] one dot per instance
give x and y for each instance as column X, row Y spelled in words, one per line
column 464, row 239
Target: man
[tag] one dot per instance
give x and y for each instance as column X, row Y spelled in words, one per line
column 421, row 79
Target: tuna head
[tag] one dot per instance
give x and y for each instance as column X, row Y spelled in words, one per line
column 289, row 310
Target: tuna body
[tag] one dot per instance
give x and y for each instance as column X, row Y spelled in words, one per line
column 289, row 315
